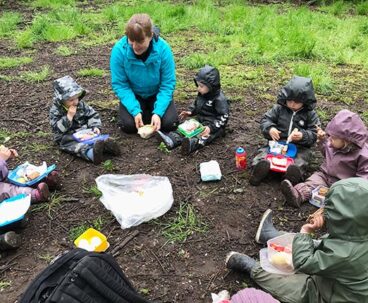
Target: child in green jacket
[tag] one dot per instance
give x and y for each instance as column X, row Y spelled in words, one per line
column 334, row 270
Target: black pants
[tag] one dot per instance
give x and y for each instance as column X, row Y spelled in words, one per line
column 169, row 121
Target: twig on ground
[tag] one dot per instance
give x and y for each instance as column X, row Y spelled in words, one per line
column 18, row 120
column 116, row 250
column 159, row 262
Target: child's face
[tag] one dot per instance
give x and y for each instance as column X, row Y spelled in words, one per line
column 337, row 143
column 293, row 105
column 72, row 101
column 202, row 89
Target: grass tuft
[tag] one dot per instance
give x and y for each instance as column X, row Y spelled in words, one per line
column 92, row 72
column 8, row 62
column 40, row 76
column 8, row 23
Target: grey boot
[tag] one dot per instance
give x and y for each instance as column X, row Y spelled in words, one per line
column 266, row 230
column 291, row 195
column 98, row 149
column 9, row 240
column 259, row 172
column 111, row 147
column 190, row 145
column 239, row 262
column 171, row 140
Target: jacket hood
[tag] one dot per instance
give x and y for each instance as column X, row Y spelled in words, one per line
column 210, row 76
column 348, row 126
column 346, row 210
column 65, row 88
column 298, row 89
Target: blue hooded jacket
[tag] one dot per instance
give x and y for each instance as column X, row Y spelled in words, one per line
column 155, row 76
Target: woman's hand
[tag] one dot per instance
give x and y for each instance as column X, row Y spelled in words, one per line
column 275, row 134
column 138, row 121
column 184, row 114
column 156, row 122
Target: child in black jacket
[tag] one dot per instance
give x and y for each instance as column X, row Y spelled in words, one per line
column 211, row 109
column 292, row 117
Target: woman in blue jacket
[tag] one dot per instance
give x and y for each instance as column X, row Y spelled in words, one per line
column 143, row 77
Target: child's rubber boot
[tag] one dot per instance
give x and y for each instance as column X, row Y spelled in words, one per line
column 239, row 262
column 9, row 240
column 171, row 140
column 41, row 194
column 111, row 147
column 190, row 145
column 259, row 172
column 266, row 230
column 291, row 195
column 53, row 180
column 98, row 149
column 294, row 174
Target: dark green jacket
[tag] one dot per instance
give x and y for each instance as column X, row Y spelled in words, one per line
column 339, row 264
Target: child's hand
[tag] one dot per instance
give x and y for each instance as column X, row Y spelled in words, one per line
column 156, row 122
column 96, row 130
column 5, row 153
column 321, row 134
column 206, row 132
column 14, row 153
column 316, row 223
column 184, row 114
column 295, row 136
column 72, row 110
column 275, row 134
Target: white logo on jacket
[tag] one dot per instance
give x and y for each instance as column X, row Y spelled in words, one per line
column 209, row 102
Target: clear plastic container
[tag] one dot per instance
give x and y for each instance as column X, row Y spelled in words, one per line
column 318, row 196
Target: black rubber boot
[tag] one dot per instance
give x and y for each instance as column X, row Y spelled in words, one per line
column 9, row 240
column 294, row 174
column 190, row 145
column 239, row 262
column 259, row 172
column 171, row 140
column 98, row 149
column 291, row 195
column 266, row 230
column 111, row 147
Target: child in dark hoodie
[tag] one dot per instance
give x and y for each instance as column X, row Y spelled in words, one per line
column 345, row 154
column 69, row 114
column 293, row 116
column 211, row 108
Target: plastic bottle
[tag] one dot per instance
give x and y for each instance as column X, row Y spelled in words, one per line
column 241, row 158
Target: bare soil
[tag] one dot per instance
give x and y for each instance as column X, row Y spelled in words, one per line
column 231, row 208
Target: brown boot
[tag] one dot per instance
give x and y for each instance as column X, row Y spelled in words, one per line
column 53, row 180
column 291, row 195
column 41, row 194
column 259, row 172
column 98, row 149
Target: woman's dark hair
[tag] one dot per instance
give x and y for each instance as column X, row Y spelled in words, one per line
column 139, row 27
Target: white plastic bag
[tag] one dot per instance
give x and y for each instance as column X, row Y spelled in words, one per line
column 134, row 199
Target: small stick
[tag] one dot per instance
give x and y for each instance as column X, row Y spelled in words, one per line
column 116, row 250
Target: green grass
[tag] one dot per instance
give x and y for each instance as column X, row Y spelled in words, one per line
column 108, row 166
column 162, row 147
column 4, row 285
column 76, row 231
column 52, row 3
column 64, row 51
column 46, row 257
column 186, row 223
column 38, row 147
column 91, row 72
column 33, row 76
column 51, row 206
column 8, row 23
column 94, row 191
column 8, row 62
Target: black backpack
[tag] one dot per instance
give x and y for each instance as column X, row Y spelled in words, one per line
column 79, row 276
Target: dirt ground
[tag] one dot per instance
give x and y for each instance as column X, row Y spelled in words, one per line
column 231, row 208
